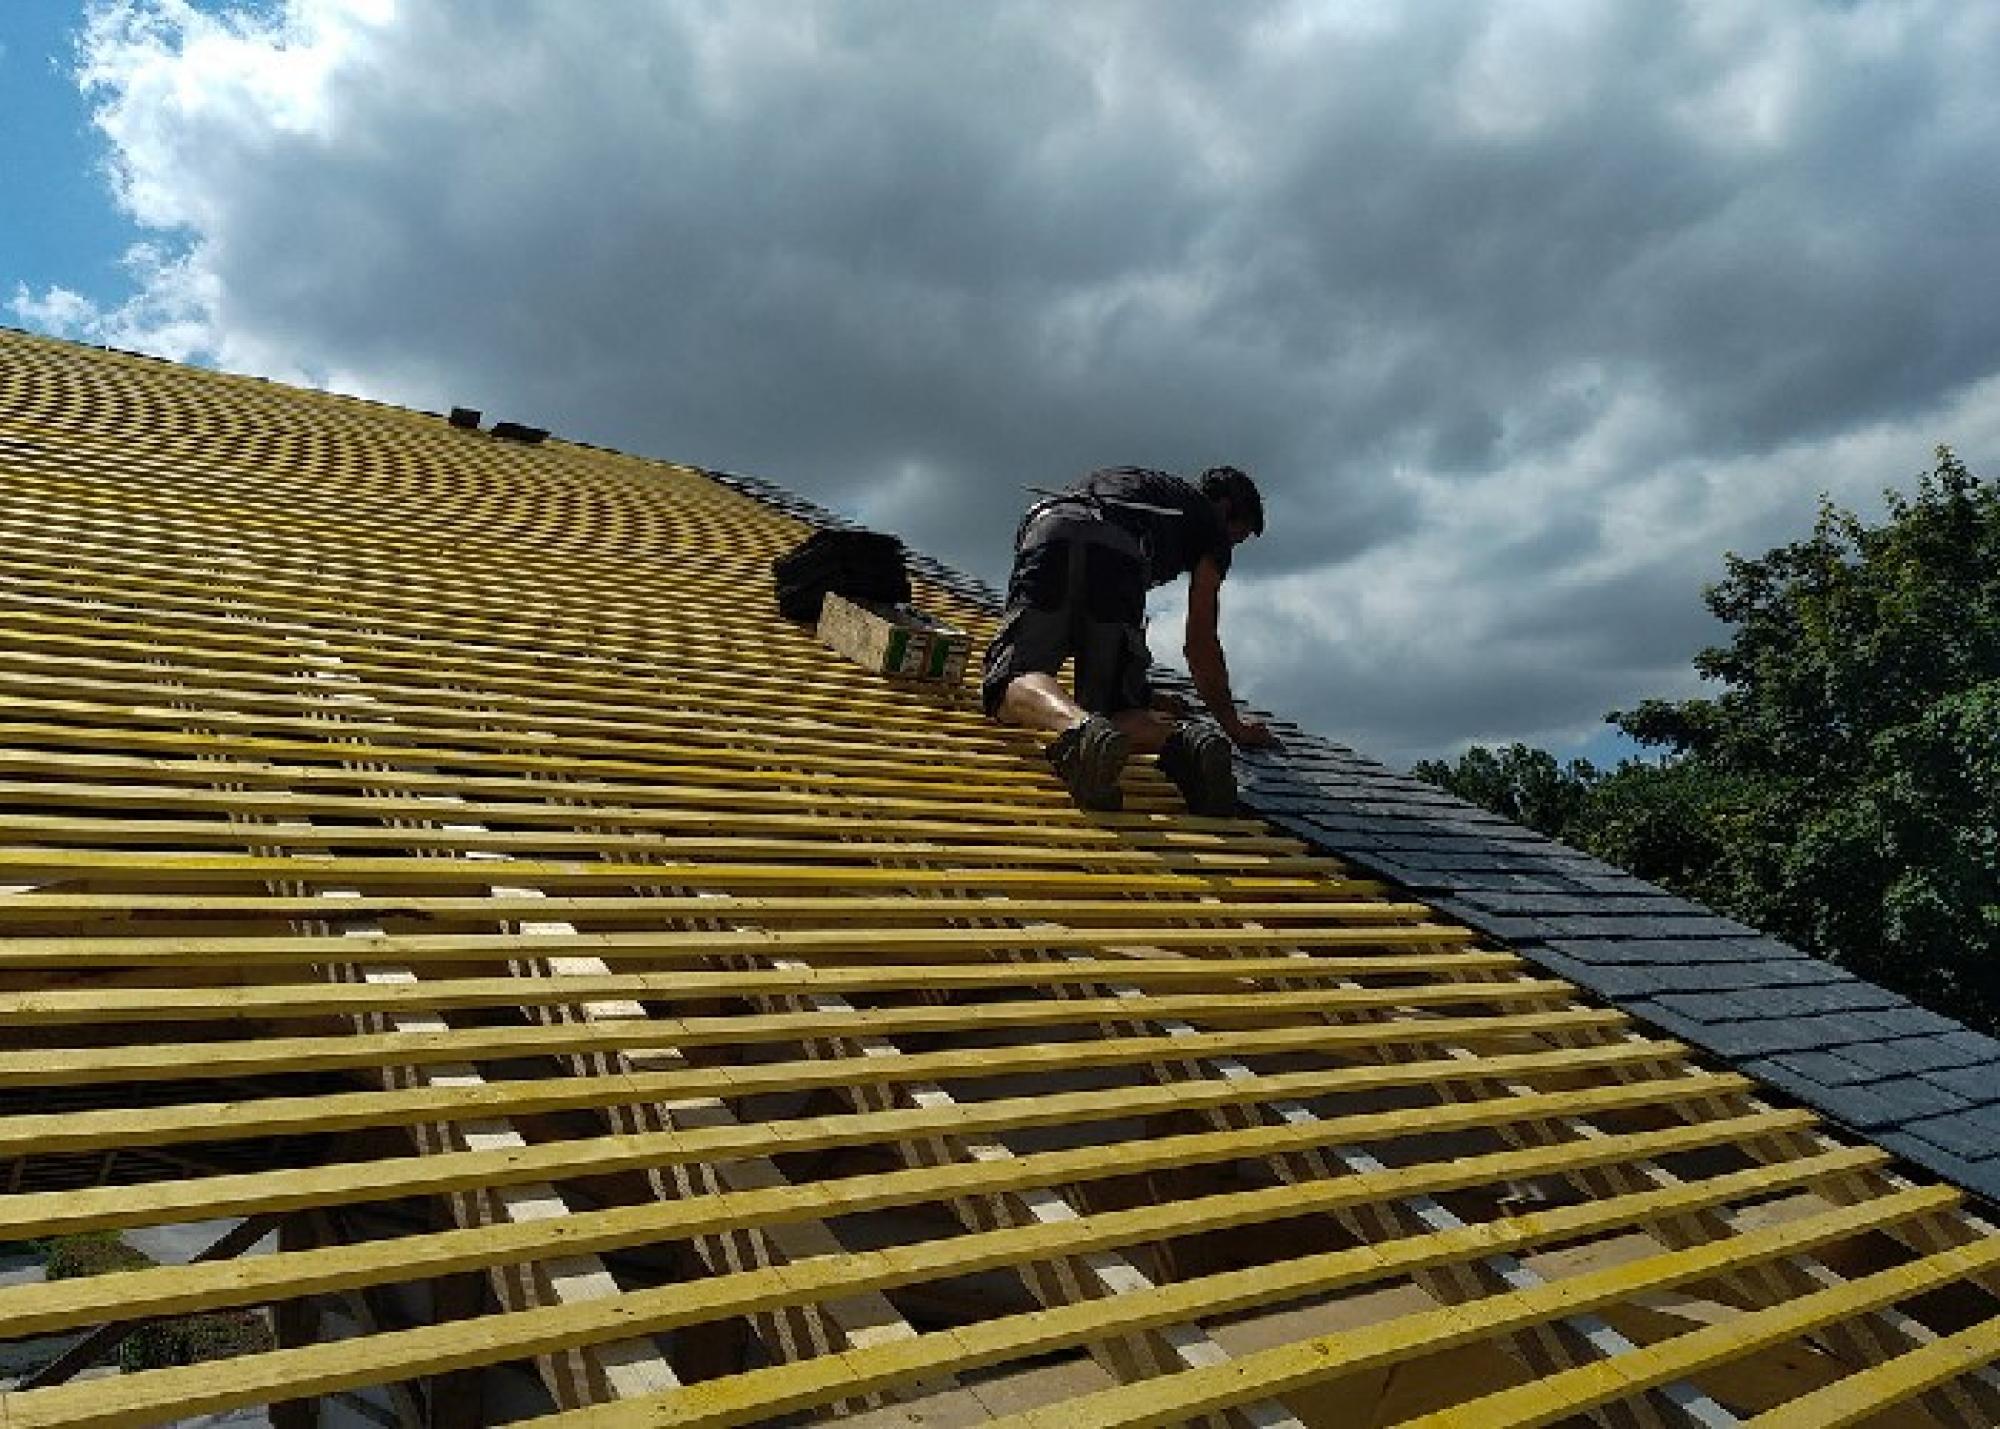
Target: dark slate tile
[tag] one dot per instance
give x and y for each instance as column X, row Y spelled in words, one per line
column 1303, row 822
column 1648, row 949
column 1641, row 925
column 1345, row 778
column 1978, row 1084
column 1902, row 1102
column 1609, row 882
column 1660, row 918
column 1829, row 1032
column 1909, row 1021
column 1521, row 932
column 1980, row 1177
column 1305, row 753
column 1280, row 801
column 1782, row 1074
column 1258, row 773
column 1407, row 823
column 1620, row 950
column 1475, row 821
column 1971, row 1135
column 1336, row 829
column 1754, row 944
column 1269, row 804
column 1848, row 995
column 1437, row 847
column 1294, row 824
column 1967, row 1047
column 1451, row 862
column 1738, row 1040
column 1758, row 987
column 1383, row 865
column 1610, row 981
column 1473, row 887
column 1797, row 971
column 1351, row 845
column 1398, row 865
column 1731, row 981
column 1705, row 1007
column 1534, row 902
column 1735, row 929
column 1471, row 816
column 1671, row 1023
column 1655, row 900
column 1582, row 865
column 1826, row 1069
column 1905, row 1056
column 1298, row 763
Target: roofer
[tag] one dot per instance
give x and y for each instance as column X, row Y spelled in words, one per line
column 1084, row 559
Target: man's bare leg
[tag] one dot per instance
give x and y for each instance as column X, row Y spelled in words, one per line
column 1039, row 702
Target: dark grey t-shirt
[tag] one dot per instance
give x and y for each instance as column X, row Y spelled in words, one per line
column 1180, row 527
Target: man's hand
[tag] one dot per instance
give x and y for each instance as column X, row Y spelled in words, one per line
column 1249, row 733
column 1172, row 705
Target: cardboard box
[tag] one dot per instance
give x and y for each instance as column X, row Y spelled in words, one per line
column 895, row 640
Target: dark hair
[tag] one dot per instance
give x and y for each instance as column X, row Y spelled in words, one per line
column 1226, row 483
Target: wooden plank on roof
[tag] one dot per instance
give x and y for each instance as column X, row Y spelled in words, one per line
column 166, row 867
column 248, row 1057
column 1173, row 1399
column 52, row 1306
column 1756, row 1332
column 885, row 944
column 784, row 1389
column 27, row 1216
column 834, row 911
column 584, row 792
column 1170, row 1401
column 230, row 1003
column 1866, row 1393
column 466, row 1097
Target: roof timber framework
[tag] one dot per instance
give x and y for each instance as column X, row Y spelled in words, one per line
column 433, row 849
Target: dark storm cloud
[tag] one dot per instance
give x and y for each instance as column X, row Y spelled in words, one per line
column 1522, row 312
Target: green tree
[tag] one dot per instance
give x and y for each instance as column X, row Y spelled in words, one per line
column 1678, row 824
column 1841, row 789
column 1521, row 783
column 1856, row 734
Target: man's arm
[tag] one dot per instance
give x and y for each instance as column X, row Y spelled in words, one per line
column 1205, row 659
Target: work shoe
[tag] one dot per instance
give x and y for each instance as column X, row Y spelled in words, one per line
column 1089, row 757
column 1200, row 760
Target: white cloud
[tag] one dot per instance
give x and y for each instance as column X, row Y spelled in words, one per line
column 169, row 314
column 1522, row 311
column 57, row 310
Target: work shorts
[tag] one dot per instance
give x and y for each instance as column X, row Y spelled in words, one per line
column 1077, row 591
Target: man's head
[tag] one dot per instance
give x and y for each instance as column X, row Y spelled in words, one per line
column 1236, row 496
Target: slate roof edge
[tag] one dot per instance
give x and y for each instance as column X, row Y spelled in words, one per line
column 1919, row 1084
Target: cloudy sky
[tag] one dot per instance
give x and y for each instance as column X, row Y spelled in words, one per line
column 1522, row 313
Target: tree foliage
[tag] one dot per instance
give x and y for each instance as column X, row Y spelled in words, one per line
column 1524, row 784
column 1841, row 789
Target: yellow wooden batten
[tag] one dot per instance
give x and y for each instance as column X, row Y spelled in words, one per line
column 439, row 846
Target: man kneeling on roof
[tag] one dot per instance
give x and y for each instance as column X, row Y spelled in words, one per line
column 1084, row 559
